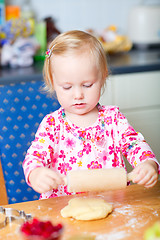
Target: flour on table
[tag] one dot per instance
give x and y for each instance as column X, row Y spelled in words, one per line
column 112, row 236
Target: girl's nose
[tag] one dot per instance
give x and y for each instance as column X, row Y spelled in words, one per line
column 78, row 93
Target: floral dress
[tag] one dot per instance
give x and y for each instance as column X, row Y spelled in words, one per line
column 62, row 146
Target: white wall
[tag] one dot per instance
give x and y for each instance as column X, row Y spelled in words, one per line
column 84, row 14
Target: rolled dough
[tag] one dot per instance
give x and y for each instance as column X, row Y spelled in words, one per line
column 86, row 209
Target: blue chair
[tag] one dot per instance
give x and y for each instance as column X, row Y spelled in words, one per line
column 22, row 107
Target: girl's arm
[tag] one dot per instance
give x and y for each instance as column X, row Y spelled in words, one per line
column 138, row 153
column 39, row 159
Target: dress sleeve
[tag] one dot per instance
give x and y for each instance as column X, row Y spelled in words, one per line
column 132, row 143
column 41, row 153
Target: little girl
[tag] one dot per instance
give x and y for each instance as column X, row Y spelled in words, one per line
column 82, row 134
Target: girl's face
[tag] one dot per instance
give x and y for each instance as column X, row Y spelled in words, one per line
column 77, row 82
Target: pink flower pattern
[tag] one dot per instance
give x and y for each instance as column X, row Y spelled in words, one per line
column 108, row 120
column 94, row 165
column 72, row 160
column 62, row 155
column 104, row 156
column 51, row 120
column 70, row 143
column 87, row 148
column 63, row 147
column 146, row 154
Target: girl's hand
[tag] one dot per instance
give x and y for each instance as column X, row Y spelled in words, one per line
column 146, row 173
column 43, row 179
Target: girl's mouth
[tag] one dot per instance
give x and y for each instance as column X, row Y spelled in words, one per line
column 79, row 105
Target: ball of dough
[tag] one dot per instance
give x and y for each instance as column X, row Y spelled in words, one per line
column 86, row 209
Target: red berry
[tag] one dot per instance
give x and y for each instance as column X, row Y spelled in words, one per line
column 45, row 229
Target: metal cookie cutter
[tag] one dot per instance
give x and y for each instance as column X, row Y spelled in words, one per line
column 13, row 215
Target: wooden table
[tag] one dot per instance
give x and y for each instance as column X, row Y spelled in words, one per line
column 135, row 209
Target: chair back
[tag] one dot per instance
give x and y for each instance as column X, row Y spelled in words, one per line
column 22, row 107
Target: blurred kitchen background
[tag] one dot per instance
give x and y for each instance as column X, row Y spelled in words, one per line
column 118, row 24
column 130, row 33
column 83, row 14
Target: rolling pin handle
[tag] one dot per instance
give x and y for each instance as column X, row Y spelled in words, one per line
column 131, row 176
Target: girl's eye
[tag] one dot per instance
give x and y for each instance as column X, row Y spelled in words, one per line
column 88, row 85
column 66, row 87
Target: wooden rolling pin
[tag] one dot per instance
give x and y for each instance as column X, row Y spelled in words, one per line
column 97, row 179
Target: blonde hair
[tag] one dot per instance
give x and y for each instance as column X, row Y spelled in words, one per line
column 74, row 41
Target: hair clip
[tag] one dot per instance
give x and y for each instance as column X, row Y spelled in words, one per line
column 48, row 53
